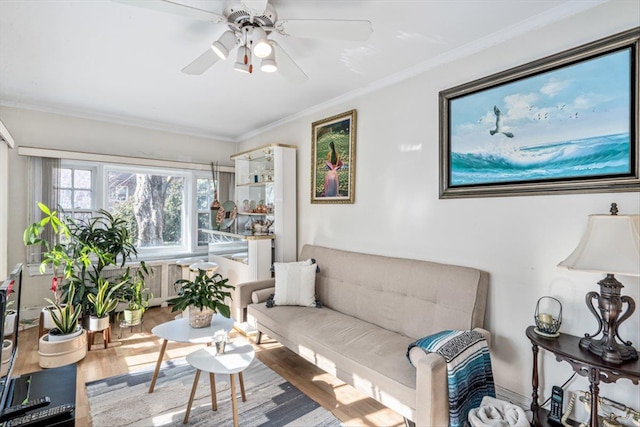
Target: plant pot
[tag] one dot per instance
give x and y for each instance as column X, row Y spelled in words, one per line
column 133, row 317
column 98, row 323
column 60, row 353
column 7, row 350
column 10, row 323
column 200, row 317
column 54, row 334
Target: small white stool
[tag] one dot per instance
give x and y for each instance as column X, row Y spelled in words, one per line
column 209, row 267
column 236, row 358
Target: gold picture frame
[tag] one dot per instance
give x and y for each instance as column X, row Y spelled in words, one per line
column 333, row 159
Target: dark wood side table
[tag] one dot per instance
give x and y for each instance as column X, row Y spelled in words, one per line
column 566, row 348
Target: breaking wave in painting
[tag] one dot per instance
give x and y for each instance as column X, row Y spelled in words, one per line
column 597, row 156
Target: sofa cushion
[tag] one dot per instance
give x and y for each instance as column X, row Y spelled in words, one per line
column 370, row 358
column 295, row 283
column 412, row 297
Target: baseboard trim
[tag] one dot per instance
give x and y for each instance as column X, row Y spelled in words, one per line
column 513, row 397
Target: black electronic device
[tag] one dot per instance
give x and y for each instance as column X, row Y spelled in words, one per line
column 557, row 395
column 23, row 408
column 44, row 417
column 10, row 292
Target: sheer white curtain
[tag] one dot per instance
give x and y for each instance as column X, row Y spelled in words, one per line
column 227, row 184
column 45, row 176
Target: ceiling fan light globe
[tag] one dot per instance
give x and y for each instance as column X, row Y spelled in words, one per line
column 224, row 44
column 261, row 46
column 241, row 64
column 262, row 49
column 242, row 67
column 268, row 65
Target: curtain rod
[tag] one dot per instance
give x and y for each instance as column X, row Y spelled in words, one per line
column 106, row 158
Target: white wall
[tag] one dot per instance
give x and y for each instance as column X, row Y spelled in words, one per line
column 46, row 130
column 518, row 240
column 4, row 193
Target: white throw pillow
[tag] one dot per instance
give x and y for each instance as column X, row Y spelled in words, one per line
column 295, row 283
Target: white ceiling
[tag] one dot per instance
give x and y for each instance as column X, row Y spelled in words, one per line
column 112, row 61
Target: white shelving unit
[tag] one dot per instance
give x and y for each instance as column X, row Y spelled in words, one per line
column 266, row 178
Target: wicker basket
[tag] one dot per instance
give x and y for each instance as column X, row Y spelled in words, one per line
column 200, row 317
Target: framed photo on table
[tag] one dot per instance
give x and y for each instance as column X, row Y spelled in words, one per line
column 333, row 159
column 567, row 123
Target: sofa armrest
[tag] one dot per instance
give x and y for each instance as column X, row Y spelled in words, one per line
column 242, row 296
column 432, row 393
column 486, row 334
column 432, row 396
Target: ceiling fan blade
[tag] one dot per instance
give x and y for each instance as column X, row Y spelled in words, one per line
column 255, row 7
column 287, row 66
column 174, row 8
column 325, row 29
column 202, row 63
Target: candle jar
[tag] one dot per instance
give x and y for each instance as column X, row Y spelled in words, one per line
column 548, row 317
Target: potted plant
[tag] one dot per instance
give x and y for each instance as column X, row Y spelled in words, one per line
column 65, row 317
column 136, row 295
column 7, row 344
column 204, row 296
column 82, row 248
column 67, row 342
column 103, row 302
column 9, row 319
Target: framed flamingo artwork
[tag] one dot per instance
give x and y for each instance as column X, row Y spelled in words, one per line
column 567, row 123
column 333, row 159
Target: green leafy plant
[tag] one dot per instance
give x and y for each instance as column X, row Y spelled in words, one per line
column 203, row 291
column 105, row 300
column 82, row 248
column 135, row 293
column 65, row 316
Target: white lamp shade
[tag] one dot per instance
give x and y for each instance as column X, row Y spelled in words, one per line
column 224, row 44
column 268, row 64
column 261, row 46
column 241, row 64
column 611, row 244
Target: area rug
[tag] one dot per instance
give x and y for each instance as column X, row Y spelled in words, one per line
column 124, row 400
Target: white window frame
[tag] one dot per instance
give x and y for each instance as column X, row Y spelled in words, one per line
column 95, row 189
column 190, row 212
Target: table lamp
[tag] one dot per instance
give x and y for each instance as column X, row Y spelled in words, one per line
column 610, row 245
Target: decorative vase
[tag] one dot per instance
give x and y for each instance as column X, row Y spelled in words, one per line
column 98, row 323
column 213, row 215
column 60, row 353
column 200, row 317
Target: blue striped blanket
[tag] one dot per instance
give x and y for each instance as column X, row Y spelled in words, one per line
column 469, row 375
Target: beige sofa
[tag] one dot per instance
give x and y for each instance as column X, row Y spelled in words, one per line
column 373, row 308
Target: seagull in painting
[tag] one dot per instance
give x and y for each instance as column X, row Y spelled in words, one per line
column 498, row 128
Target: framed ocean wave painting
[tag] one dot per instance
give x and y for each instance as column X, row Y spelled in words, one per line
column 567, row 123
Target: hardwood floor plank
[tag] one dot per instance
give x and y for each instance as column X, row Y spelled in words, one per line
column 136, row 350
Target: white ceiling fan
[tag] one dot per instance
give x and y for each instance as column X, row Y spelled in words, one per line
column 250, row 23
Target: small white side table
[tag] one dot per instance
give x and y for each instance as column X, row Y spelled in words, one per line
column 179, row 330
column 236, row 358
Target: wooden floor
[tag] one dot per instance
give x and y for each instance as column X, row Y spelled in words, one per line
column 136, row 350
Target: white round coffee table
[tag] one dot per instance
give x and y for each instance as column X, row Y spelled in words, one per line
column 180, row 331
column 237, row 357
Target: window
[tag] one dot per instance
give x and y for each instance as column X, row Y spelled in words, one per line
column 204, row 197
column 75, row 190
column 163, row 207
